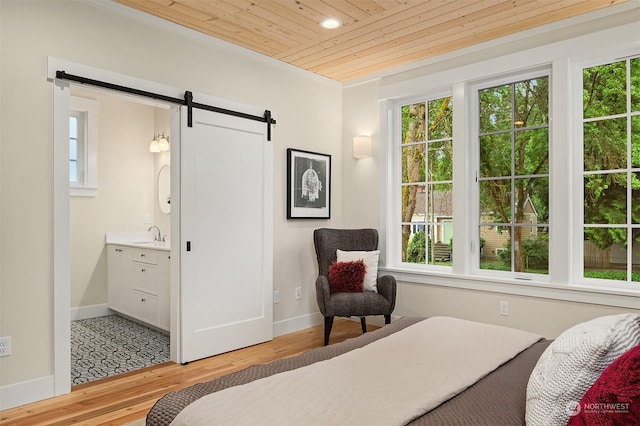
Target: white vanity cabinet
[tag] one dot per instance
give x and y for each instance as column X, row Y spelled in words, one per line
column 138, row 283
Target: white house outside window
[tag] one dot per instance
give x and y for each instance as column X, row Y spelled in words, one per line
column 426, row 152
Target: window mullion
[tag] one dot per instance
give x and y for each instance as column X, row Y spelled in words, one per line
column 464, row 197
column 514, row 244
column 629, row 173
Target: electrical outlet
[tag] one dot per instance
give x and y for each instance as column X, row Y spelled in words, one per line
column 5, row 346
column 504, row 308
column 276, row 297
column 298, row 293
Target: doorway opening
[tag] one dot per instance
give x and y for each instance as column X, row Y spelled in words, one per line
column 204, row 240
column 128, row 204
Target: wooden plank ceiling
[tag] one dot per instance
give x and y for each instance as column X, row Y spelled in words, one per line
column 376, row 34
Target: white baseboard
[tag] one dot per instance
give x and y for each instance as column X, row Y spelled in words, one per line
column 84, row 312
column 26, row 392
column 41, row 388
column 296, row 324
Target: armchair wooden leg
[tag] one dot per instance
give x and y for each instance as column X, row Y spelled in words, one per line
column 363, row 322
column 387, row 319
column 328, row 323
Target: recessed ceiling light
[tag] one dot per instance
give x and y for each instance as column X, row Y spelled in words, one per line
column 330, row 23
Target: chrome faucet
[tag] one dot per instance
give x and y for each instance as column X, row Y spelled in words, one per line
column 158, row 236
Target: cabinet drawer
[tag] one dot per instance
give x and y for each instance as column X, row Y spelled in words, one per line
column 144, row 277
column 145, row 256
column 145, row 307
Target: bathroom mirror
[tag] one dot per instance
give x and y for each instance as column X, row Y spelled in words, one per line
column 164, row 189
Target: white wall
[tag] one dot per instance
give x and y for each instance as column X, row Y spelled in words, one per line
column 307, row 109
column 544, row 316
column 126, row 189
column 362, row 177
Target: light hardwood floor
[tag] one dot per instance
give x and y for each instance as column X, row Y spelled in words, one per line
column 121, row 399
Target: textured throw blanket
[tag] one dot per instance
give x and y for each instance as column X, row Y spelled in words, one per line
column 388, row 382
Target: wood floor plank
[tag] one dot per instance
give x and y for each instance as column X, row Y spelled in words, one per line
column 130, row 396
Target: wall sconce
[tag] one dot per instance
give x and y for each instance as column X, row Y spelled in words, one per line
column 362, row 146
column 159, row 143
column 163, row 143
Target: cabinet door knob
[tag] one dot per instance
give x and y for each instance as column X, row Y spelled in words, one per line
column 143, row 300
column 143, row 270
column 142, row 255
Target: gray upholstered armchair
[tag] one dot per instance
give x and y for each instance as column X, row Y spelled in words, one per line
column 327, row 242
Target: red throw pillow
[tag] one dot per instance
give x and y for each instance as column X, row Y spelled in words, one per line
column 347, row 276
column 614, row 399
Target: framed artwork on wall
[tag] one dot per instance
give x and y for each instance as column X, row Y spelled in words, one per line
column 308, row 185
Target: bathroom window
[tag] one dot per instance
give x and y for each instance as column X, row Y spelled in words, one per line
column 76, row 145
column 83, row 131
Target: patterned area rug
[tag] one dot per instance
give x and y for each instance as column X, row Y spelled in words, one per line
column 111, row 345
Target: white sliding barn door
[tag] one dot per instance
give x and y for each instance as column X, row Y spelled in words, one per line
column 226, row 234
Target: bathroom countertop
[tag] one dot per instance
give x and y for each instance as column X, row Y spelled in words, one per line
column 136, row 240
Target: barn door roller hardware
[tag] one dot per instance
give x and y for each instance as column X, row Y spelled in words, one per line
column 187, row 101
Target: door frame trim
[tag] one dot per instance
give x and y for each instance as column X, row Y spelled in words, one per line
column 61, row 212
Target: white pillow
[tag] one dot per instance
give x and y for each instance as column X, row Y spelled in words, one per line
column 573, row 362
column 370, row 259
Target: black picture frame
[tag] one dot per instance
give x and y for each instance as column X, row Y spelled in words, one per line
column 308, row 185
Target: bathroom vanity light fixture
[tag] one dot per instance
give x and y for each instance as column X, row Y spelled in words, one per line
column 159, row 143
column 362, row 146
column 155, row 145
column 163, row 143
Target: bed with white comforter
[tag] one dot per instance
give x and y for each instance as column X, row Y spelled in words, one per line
column 417, row 371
